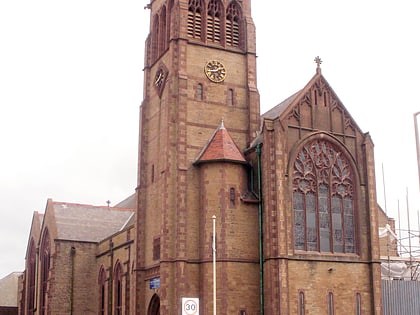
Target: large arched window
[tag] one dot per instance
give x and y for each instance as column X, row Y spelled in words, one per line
column 45, row 269
column 102, row 290
column 323, row 199
column 214, row 21
column 195, row 10
column 118, row 289
column 233, row 32
column 31, row 272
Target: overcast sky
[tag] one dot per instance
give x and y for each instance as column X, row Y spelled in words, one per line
column 71, row 85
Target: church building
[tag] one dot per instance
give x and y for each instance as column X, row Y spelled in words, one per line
column 279, row 208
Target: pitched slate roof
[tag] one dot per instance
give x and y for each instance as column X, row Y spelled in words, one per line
column 129, row 202
column 78, row 222
column 220, row 147
column 277, row 110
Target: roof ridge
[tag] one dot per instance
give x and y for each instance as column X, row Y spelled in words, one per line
column 55, row 203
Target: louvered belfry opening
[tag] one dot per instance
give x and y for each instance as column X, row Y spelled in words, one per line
column 194, row 18
column 210, row 22
column 232, row 25
column 214, row 16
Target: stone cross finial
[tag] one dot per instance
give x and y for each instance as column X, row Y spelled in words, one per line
column 318, row 61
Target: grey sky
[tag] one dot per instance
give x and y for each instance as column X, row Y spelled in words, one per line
column 71, row 84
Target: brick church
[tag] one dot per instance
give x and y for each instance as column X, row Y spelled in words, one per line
column 292, row 191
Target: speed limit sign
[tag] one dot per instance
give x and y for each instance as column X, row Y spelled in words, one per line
column 190, row 306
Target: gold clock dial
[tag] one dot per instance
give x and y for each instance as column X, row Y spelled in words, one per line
column 215, row 71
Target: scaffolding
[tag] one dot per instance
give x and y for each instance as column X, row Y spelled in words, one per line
column 400, row 271
column 402, row 257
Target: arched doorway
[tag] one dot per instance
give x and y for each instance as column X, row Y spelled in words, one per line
column 154, row 306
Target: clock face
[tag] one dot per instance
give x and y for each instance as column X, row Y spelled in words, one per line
column 159, row 77
column 215, row 71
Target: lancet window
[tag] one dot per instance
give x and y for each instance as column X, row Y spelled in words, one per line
column 155, row 38
column 118, row 287
column 214, row 21
column 232, row 25
column 323, row 199
column 162, row 31
column 102, row 291
column 195, row 10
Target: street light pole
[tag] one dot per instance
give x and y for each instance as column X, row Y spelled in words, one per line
column 417, row 144
column 214, row 264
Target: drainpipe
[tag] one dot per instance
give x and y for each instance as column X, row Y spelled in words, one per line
column 72, row 254
column 260, row 224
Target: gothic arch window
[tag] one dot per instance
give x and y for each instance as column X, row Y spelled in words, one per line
column 102, row 290
column 358, row 304
column 301, row 303
column 195, row 9
column 214, row 21
column 323, row 199
column 155, row 38
column 233, row 29
column 199, row 91
column 162, row 32
column 230, row 97
column 31, row 269
column 118, row 289
column 45, row 269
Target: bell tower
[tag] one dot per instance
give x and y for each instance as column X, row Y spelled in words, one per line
column 200, row 70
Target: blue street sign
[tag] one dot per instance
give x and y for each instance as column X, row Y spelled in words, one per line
column 155, row 283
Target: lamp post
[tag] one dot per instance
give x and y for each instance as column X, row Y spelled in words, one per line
column 214, row 264
column 417, row 144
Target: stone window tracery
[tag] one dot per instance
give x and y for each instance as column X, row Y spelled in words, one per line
column 214, row 21
column 323, row 199
column 232, row 25
column 194, row 18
